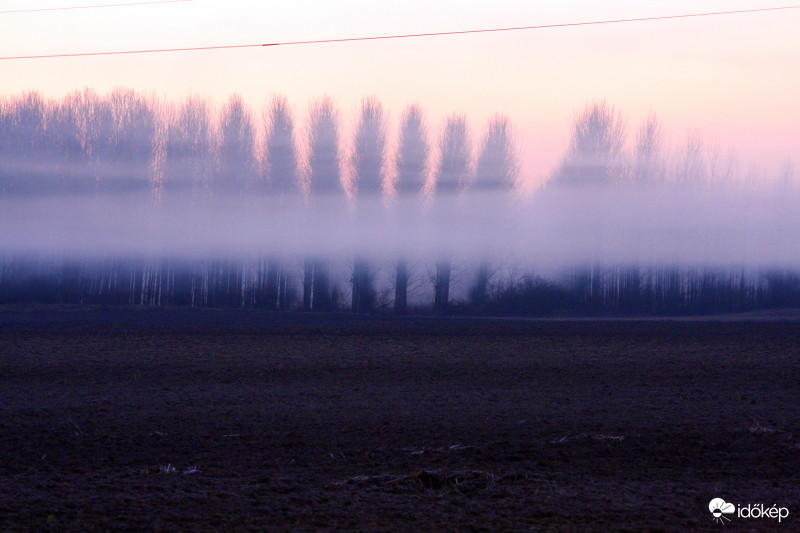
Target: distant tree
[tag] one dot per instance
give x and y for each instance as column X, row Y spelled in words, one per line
column 95, row 130
column 648, row 169
column 237, row 171
column 129, row 165
column 188, row 149
column 786, row 176
column 412, row 171
column 187, row 175
column 323, row 183
column 412, row 154
column 133, row 140
column 595, row 153
column 497, row 170
column 369, row 147
column 285, row 185
column 595, row 158
column 83, row 124
column 281, row 149
column 62, row 158
column 722, row 169
column 23, row 140
column 367, row 162
column 453, row 175
column 498, row 166
column 648, row 157
column 453, row 172
column 6, row 153
column 690, row 165
column 323, row 144
column 237, row 177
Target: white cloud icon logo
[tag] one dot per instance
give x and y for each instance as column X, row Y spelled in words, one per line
column 719, row 508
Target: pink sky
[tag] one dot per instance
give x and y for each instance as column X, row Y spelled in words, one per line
column 734, row 78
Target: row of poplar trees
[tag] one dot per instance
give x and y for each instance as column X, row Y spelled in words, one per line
column 88, row 145
column 125, row 142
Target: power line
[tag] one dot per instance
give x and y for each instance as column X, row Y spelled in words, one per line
column 36, row 10
column 404, row 36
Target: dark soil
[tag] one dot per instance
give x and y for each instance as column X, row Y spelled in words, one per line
column 247, row 421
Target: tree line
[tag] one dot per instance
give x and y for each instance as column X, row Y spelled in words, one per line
column 87, row 144
column 124, row 142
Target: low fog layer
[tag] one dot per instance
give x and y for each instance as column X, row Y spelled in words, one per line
column 553, row 228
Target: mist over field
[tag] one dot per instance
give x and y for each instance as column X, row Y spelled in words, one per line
column 554, row 228
column 138, row 192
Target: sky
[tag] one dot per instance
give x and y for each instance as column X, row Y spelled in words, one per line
column 733, row 79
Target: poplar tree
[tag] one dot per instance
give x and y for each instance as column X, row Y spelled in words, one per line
column 367, row 162
column 452, row 176
column 323, row 184
column 412, row 168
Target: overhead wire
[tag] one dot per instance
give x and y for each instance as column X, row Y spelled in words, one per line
column 405, row 36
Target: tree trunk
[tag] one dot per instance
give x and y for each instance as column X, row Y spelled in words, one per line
column 308, row 283
column 362, row 291
column 273, row 285
column 321, row 299
column 401, row 288
column 441, row 295
column 479, row 292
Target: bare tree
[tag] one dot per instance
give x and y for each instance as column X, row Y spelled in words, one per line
column 787, row 179
column 188, row 160
column 281, row 153
column 369, row 146
column 237, row 178
column 497, row 170
column 722, row 169
column 648, row 157
column 23, row 139
column 322, row 184
column 237, row 172
column 132, row 167
column 68, row 158
column 412, row 168
column 94, row 123
column 285, row 185
column 134, row 139
column 594, row 158
column 452, row 176
column 453, row 172
column 187, row 173
column 367, row 162
column 498, row 165
column 648, row 168
column 690, row 169
column 595, row 153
